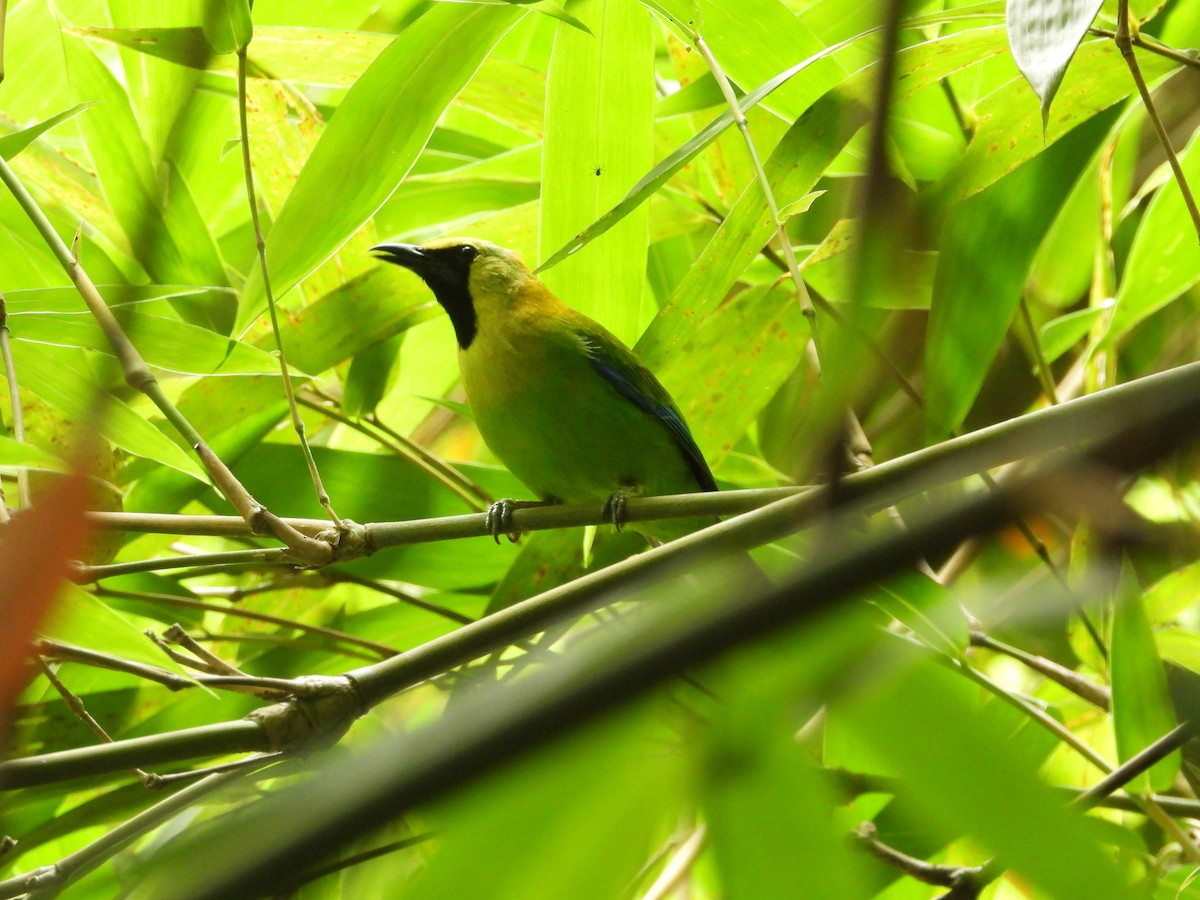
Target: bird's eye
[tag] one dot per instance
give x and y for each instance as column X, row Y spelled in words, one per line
column 467, row 253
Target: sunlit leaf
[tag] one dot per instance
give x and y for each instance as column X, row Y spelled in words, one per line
column 372, row 142
column 12, row 144
column 1142, row 710
column 1001, row 229
column 588, row 161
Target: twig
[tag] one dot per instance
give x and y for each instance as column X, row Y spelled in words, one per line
column 1093, row 693
column 75, row 705
column 1124, row 41
column 238, row 612
column 85, row 574
column 954, row 877
column 355, row 860
column 182, row 659
column 739, row 119
column 139, row 377
column 405, row 597
column 177, row 635
column 438, row 469
column 70, row 653
column 678, row 866
column 48, row 881
column 1035, row 349
column 1184, row 57
column 261, row 246
column 252, row 763
column 1136, row 765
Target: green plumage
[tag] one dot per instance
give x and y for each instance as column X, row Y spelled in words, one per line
column 561, row 401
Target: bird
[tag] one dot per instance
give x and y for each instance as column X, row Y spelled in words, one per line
column 560, row 400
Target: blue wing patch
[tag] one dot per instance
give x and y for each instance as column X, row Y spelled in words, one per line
column 638, row 385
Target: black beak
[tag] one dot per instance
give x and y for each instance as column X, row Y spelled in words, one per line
column 408, row 255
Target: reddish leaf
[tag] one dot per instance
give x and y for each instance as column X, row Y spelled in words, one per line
column 36, row 550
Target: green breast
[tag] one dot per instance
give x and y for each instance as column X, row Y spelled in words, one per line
column 559, row 426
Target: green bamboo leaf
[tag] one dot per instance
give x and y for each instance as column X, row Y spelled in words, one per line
column 796, row 207
column 315, row 56
column 1061, row 334
column 448, row 206
column 545, row 7
column 158, row 299
column 1044, row 35
column 734, row 361
column 1164, row 260
column 773, row 821
column 61, row 378
column 695, row 96
column 185, row 46
column 165, row 344
column 1008, row 134
column 587, row 160
column 979, row 778
column 830, row 269
column 793, row 168
column 680, row 15
column 371, row 143
column 663, row 171
column 228, row 26
column 1141, row 704
column 83, row 619
column 12, row 144
column 927, row 610
column 1173, row 594
column 17, row 455
column 372, row 372
column 998, row 230
column 753, row 39
column 165, row 229
column 508, row 92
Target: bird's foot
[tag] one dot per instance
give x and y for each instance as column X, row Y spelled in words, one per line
column 614, row 506
column 500, row 517
column 499, row 520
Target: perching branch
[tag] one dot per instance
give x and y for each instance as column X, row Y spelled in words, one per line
column 621, row 664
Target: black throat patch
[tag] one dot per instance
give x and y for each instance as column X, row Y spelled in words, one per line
column 447, row 271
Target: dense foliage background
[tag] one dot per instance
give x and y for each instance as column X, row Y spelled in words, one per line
column 923, row 236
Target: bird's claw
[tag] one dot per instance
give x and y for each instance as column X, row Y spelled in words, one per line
column 500, row 520
column 614, row 509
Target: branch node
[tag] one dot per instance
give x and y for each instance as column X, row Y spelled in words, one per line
column 321, row 710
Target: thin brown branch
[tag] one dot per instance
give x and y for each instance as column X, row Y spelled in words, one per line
column 79, row 710
column 438, row 469
column 954, row 877
column 261, row 246
column 1124, row 40
column 1093, row 693
column 238, row 612
column 1183, row 57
